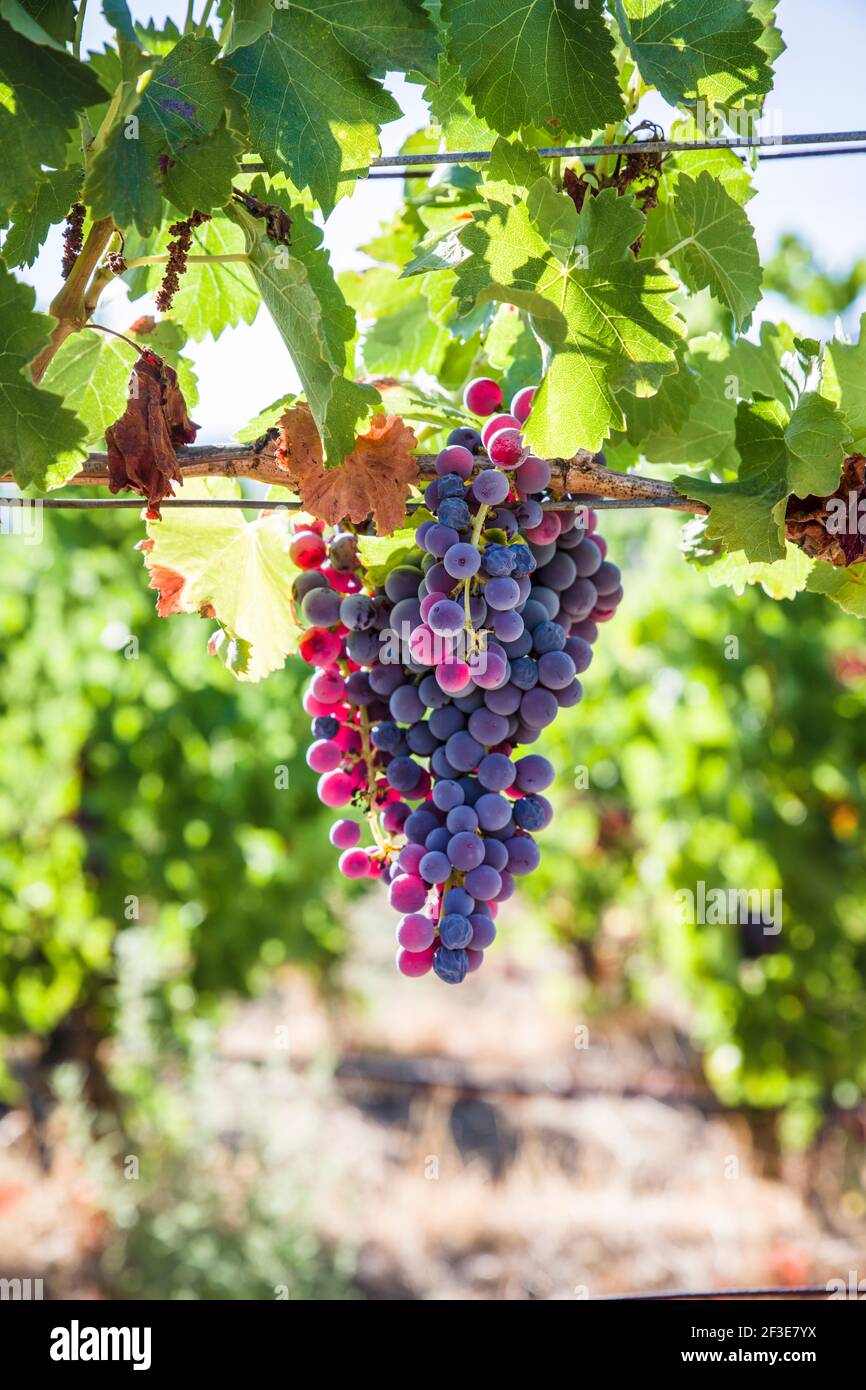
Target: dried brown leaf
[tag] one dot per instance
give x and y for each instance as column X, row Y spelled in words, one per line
column 142, row 443
column 375, row 478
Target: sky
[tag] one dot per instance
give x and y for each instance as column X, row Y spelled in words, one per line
column 819, row 85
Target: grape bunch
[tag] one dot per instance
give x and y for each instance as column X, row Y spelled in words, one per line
column 427, row 687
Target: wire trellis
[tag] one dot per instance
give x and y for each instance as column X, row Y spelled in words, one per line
column 258, row 504
column 417, row 165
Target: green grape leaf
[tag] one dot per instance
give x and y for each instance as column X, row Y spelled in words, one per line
column 844, row 382
column 156, row 40
column 725, row 165
column 378, row 33
column 200, row 175
column 404, row 337
column 238, row 571
column 781, row 454
column 381, row 554
column 41, row 442
column 91, row 372
column 212, row 296
column 758, row 366
column 123, row 182
column 530, row 62
column 847, row 587
column 266, row 419
column 187, row 95
column 690, row 49
column 52, row 199
column 451, row 108
column 605, row 318
column 49, row 23
column 299, row 290
column 118, row 16
column 313, row 108
column 41, row 93
column 713, row 244
column 250, row 19
column 512, row 349
column 782, row 579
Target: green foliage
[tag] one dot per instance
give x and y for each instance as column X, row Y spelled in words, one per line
column 146, row 791
column 723, row 741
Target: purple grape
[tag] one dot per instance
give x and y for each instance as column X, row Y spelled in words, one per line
column 451, row 485
column 447, row 794
column 483, row 882
column 491, row 487
column 407, row 893
column 458, row 900
column 571, row 695
column 438, row 839
column 533, row 475
column 435, row 867
column 587, row 558
column 440, row 765
column 524, row 673
column 357, row 612
column 548, row 599
column 462, row 561
column 410, row 858
column 455, row 931
column 504, row 700
column 606, row 579
column 439, row 539
column 483, row 931
column 493, row 811
column 387, row 737
column 419, row 824
column 416, row 932
column 422, row 741
column 463, row 751
column 321, row 607
column 385, row 678
column 501, row 593
column 538, row 707
column 432, row 694
column 469, row 438
column 358, row 690
column 521, row 646
column 455, row 459
column 446, row 721
column 580, row 652
column 507, row 889
column 505, row 520
column 495, row 854
column 528, row 813
column 470, row 702
column 548, row 637
column 453, row 511
column 450, row 966
column 446, row 618
column 558, row 573
column 555, row 670
column 363, row 649
column 496, row 772
column 488, row 728
column 523, row 855
column 402, row 583
column 529, row 514
column 508, row 625
column 461, row 818
column 533, row 773
column 465, row 851
column 406, row 705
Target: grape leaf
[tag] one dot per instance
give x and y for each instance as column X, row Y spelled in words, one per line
column 267, row 419
column 52, row 199
column 123, row 181
column 187, row 95
column 156, row 40
column 725, row 165
column 758, row 366
column 91, row 372
column 238, row 571
column 404, row 338
column 528, row 62
column 380, row 33
column 782, row 579
column 847, row 587
column 512, row 349
column 713, row 245
column 41, row 442
column 200, row 175
column 801, row 453
column 692, row 49
column 375, row 477
column 451, row 108
column 117, row 14
column 298, row 287
column 249, row 20
column 381, row 554
column 49, row 24
column 41, row 93
column 844, row 381
column 605, row 317
column 314, row 111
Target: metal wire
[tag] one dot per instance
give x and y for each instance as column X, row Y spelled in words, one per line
column 765, row 156
column 762, row 143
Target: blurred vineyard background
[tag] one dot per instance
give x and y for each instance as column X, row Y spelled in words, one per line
column 213, row 1084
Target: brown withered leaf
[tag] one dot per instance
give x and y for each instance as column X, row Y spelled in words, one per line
column 142, row 443
column 375, row 478
column 813, row 525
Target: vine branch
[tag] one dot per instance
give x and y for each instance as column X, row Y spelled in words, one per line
column 580, row 475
